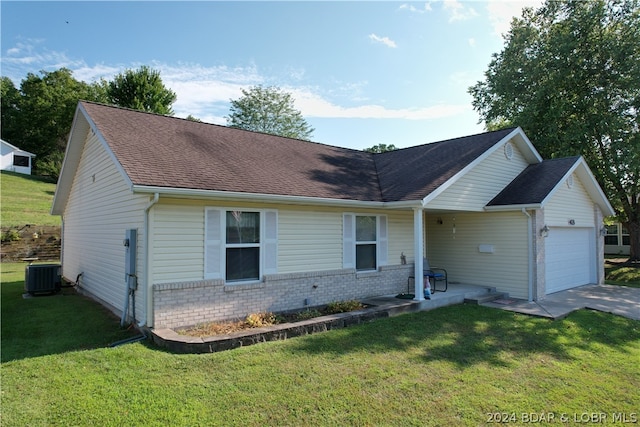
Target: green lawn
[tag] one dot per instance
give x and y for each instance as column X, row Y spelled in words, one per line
column 451, row 366
column 621, row 274
column 26, row 199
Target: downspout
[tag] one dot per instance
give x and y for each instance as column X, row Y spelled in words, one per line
column 530, row 252
column 156, row 197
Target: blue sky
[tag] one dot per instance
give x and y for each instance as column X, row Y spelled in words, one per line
column 362, row 73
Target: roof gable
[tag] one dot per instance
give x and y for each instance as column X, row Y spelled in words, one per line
column 537, row 183
column 415, row 172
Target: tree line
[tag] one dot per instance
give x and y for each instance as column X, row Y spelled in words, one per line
column 37, row 116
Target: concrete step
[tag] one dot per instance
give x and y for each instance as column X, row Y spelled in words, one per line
column 490, row 296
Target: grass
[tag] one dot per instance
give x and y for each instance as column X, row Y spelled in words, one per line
column 451, row 366
column 620, row 273
column 26, row 199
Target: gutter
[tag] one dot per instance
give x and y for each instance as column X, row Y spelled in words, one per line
column 271, row 198
column 504, row 208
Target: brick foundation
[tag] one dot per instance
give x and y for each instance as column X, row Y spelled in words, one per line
column 190, row 303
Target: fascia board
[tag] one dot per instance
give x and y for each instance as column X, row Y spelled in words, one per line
column 187, row 193
column 73, row 152
column 525, row 146
column 17, row 150
column 24, row 153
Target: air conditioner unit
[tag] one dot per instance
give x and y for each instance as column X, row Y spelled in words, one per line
column 41, row 278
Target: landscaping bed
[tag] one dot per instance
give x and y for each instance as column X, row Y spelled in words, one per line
column 241, row 333
column 258, row 320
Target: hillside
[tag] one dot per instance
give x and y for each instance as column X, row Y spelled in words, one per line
column 26, row 199
column 28, row 230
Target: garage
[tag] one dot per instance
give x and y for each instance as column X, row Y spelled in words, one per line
column 569, row 258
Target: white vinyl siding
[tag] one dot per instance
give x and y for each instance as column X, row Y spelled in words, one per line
column 400, row 225
column 309, row 240
column 99, row 210
column 507, row 268
column 178, row 254
column 475, row 189
column 570, row 203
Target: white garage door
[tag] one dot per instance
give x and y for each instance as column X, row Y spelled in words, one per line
column 570, row 258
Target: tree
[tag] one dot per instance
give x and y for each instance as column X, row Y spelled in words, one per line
column 9, row 99
column 142, row 90
column 38, row 117
column 193, row 118
column 569, row 75
column 380, row 148
column 268, row 110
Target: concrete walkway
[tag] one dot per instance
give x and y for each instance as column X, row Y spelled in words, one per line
column 620, row 300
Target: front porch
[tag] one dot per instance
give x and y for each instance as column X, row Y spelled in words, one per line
column 456, row 293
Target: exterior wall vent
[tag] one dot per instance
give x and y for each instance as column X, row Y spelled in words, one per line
column 508, row 151
column 41, row 278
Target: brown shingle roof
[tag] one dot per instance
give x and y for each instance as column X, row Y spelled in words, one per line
column 534, row 183
column 412, row 173
column 163, row 151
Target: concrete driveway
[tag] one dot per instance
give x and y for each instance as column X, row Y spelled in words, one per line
column 620, row 300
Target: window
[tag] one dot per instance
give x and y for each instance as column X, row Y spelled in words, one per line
column 611, row 238
column 240, row 246
column 364, row 241
column 22, row 161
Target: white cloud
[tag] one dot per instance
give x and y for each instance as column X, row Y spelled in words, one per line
column 313, row 105
column 384, row 40
column 459, row 11
column 413, row 9
column 472, row 42
column 205, row 92
column 502, row 12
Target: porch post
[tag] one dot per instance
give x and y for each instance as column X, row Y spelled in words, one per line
column 418, row 242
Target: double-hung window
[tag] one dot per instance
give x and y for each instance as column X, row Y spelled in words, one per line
column 364, row 241
column 240, row 245
column 242, row 250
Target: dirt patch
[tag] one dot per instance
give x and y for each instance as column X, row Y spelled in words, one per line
column 258, row 320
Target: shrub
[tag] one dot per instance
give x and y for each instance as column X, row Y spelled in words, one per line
column 10, row 236
column 307, row 314
column 343, row 306
column 257, row 320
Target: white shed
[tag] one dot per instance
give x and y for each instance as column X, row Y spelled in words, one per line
column 15, row 159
